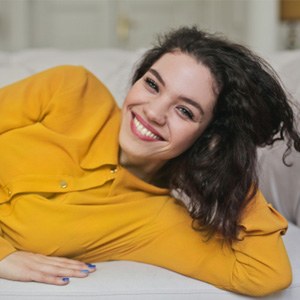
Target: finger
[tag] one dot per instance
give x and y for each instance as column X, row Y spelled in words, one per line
column 58, row 271
column 92, row 267
column 65, row 263
column 49, row 279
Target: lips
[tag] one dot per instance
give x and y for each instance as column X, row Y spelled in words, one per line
column 143, row 130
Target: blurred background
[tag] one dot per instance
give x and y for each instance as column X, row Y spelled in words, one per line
column 132, row 24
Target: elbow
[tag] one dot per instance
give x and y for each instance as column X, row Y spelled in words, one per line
column 271, row 285
column 264, row 283
column 277, row 283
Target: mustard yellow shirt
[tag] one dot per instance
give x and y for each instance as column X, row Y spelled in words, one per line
column 63, row 193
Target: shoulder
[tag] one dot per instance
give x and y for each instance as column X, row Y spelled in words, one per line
column 59, row 72
column 71, row 78
column 53, row 79
column 63, row 70
column 66, row 74
column 70, row 74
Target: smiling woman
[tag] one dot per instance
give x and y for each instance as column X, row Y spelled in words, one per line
column 92, row 183
column 160, row 120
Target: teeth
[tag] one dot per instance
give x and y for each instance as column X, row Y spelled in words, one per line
column 144, row 131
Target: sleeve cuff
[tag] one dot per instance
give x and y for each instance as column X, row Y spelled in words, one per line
column 5, row 248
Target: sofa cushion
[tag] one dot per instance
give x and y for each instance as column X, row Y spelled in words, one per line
column 124, row 280
column 279, row 183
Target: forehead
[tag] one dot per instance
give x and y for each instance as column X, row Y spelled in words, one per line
column 182, row 65
column 185, row 75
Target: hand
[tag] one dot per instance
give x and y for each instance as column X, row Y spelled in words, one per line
column 26, row 266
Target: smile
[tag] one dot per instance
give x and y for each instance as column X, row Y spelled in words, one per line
column 144, row 132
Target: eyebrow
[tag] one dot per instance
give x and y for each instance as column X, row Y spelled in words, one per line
column 157, row 75
column 185, row 99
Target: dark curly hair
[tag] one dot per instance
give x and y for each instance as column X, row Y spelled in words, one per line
column 218, row 173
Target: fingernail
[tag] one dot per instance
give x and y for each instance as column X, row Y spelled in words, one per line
column 65, row 279
column 91, row 265
column 85, row 271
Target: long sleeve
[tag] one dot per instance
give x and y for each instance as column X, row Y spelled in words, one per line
column 49, row 108
column 5, row 247
column 255, row 265
column 20, row 105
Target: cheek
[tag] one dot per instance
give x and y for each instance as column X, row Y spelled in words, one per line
column 128, row 96
column 185, row 137
column 134, row 95
column 126, row 102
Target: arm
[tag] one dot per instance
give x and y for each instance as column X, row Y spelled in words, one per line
column 256, row 265
column 39, row 98
column 25, row 266
column 21, row 104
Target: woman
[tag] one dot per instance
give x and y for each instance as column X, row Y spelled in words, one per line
column 82, row 182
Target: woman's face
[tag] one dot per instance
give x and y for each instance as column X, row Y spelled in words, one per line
column 166, row 110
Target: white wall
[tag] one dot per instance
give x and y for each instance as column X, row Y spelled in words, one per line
column 263, row 25
column 14, row 24
column 75, row 24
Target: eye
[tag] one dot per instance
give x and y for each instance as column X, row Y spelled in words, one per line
column 186, row 112
column 152, row 84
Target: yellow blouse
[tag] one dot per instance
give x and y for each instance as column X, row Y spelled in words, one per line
column 63, row 193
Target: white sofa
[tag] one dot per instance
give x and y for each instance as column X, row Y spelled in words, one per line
column 128, row 280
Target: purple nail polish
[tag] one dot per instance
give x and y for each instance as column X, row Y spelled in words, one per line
column 65, row 279
column 91, row 266
column 85, row 271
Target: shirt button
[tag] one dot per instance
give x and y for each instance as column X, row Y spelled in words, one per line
column 63, row 184
column 113, row 170
column 9, row 192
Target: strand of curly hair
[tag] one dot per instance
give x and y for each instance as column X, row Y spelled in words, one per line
column 218, row 173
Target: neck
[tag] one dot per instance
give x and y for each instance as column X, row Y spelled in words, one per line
column 143, row 169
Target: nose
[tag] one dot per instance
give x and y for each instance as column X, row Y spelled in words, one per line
column 156, row 112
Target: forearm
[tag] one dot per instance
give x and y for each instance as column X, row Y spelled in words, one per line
column 256, row 265
column 262, row 262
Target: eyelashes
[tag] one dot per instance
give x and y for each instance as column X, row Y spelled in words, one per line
column 183, row 111
column 186, row 112
column 152, row 84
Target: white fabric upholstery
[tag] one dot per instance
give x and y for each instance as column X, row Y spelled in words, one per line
column 125, row 280
column 281, row 184
column 129, row 280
